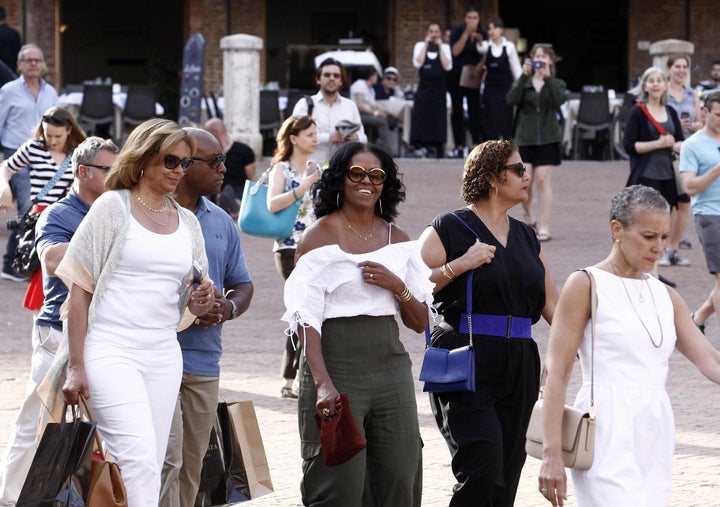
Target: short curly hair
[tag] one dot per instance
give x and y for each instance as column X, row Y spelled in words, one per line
column 483, row 167
column 327, row 193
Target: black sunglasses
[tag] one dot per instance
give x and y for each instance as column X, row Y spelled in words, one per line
column 214, row 162
column 103, row 167
column 55, row 120
column 518, row 167
column 172, row 162
column 376, row 175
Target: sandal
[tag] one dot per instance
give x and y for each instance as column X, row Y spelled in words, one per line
column 287, row 392
column 544, row 236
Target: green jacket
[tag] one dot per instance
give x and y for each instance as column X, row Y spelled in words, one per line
column 537, row 113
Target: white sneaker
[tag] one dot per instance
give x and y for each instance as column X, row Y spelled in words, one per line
column 13, row 277
column 664, row 258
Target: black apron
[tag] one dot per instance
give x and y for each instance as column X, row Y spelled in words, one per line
column 429, row 117
column 497, row 114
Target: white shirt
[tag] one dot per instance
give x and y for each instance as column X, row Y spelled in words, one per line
column 496, row 50
column 361, row 86
column 326, row 116
column 431, row 55
column 327, row 283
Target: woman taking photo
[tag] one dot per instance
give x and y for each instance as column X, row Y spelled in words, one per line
column 511, row 289
column 538, row 95
column 651, row 153
column 291, row 176
column 48, row 156
column 639, row 322
column 682, row 98
column 129, row 270
column 356, row 271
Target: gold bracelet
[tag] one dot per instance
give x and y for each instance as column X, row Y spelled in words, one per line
column 404, row 296
column 447, row 272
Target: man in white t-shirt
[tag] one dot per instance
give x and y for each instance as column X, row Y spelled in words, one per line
column 330, row 108
column 373, row 118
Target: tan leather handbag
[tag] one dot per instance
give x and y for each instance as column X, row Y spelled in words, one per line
column 578, row 427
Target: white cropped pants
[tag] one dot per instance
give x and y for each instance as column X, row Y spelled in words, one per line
column 132, row 395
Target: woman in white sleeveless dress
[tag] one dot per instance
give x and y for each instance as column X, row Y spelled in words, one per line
column 639, row 323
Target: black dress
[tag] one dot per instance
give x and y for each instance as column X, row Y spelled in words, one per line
column 429, row 116
column 485, row 430
column 497, row 113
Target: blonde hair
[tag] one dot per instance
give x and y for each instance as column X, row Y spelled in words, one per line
column 149, row 141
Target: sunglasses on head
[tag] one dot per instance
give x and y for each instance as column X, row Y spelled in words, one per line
column 55, row 120
column 518, row 167
column 214, row 162
column 376, row 175
column 172, row 162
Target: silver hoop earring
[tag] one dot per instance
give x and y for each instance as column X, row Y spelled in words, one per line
column 337, row 200
column 380, row 204
column 142, row 172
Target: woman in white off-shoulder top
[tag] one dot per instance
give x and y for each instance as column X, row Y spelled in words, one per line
column 355, row 272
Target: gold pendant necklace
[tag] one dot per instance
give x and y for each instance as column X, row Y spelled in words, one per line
column 154, row 210
column 652, row 296
column 362, row 236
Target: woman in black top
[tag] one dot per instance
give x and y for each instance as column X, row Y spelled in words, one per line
column 485, row 429
column 464, row 41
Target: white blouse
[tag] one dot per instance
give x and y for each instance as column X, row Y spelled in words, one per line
column 327, row 283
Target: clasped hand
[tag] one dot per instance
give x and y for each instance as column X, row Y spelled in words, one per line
column 202, row 298
column 479, row 253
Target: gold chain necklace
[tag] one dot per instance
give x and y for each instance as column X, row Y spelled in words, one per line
column 657, row 315
column 163, row 224
column 154, row 210
column 362, row 236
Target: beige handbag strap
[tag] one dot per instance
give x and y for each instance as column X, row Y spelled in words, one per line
column 593, row 318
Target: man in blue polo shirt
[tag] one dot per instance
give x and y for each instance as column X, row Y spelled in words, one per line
column 201, row 343
column 91, row 160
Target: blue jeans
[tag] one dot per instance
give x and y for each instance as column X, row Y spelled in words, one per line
column 20, row 186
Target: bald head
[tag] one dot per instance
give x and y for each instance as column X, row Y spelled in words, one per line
column 203, row 136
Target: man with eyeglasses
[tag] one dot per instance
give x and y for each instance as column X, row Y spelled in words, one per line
column 201, row 343
column 22, row 103
column 91, row 161
column 329, row 109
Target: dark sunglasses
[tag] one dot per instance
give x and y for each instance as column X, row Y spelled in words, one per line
column 103, row 167
column 55, row 120
column 518, row 167
column 376, row 175
column 172, row 162
column 214, row 162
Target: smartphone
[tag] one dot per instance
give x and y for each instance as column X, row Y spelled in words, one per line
column 537, row 64
column 197, row 272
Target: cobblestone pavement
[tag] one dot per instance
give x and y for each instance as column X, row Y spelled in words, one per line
column 254, row 343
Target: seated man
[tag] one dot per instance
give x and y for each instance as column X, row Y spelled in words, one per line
column 372, row 117
column 391, row 100
column 388, row 87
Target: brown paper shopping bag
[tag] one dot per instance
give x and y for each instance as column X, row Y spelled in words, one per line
column 244, row 425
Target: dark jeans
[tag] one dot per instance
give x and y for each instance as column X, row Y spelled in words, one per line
column 457, row 116
column 20, row 186
column 285, row 263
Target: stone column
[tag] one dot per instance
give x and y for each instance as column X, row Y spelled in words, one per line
column 662, row 49
column 241, row 88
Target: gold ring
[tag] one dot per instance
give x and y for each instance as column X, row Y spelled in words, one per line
column 326, row 412
column 219, row 318
column 543, row 491
column 371, row 276
column 197, row 322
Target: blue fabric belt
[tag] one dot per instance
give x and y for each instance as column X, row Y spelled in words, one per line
column 497, row 325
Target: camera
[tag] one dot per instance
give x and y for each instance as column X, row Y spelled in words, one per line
column 537, row 64
column 18, row 224
column 684, row 115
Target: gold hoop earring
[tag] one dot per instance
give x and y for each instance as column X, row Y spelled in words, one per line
column 142, row 172
column 380, row 204
column 337, row 200
column 496, row 191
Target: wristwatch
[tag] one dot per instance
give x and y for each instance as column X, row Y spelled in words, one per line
column 234, row 312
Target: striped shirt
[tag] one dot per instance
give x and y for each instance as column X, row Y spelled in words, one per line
column 42, row 169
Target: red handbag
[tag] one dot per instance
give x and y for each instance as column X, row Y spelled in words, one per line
column 340, row 437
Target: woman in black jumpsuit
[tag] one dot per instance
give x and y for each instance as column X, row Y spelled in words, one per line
column 485, row 429
column 429, row 118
